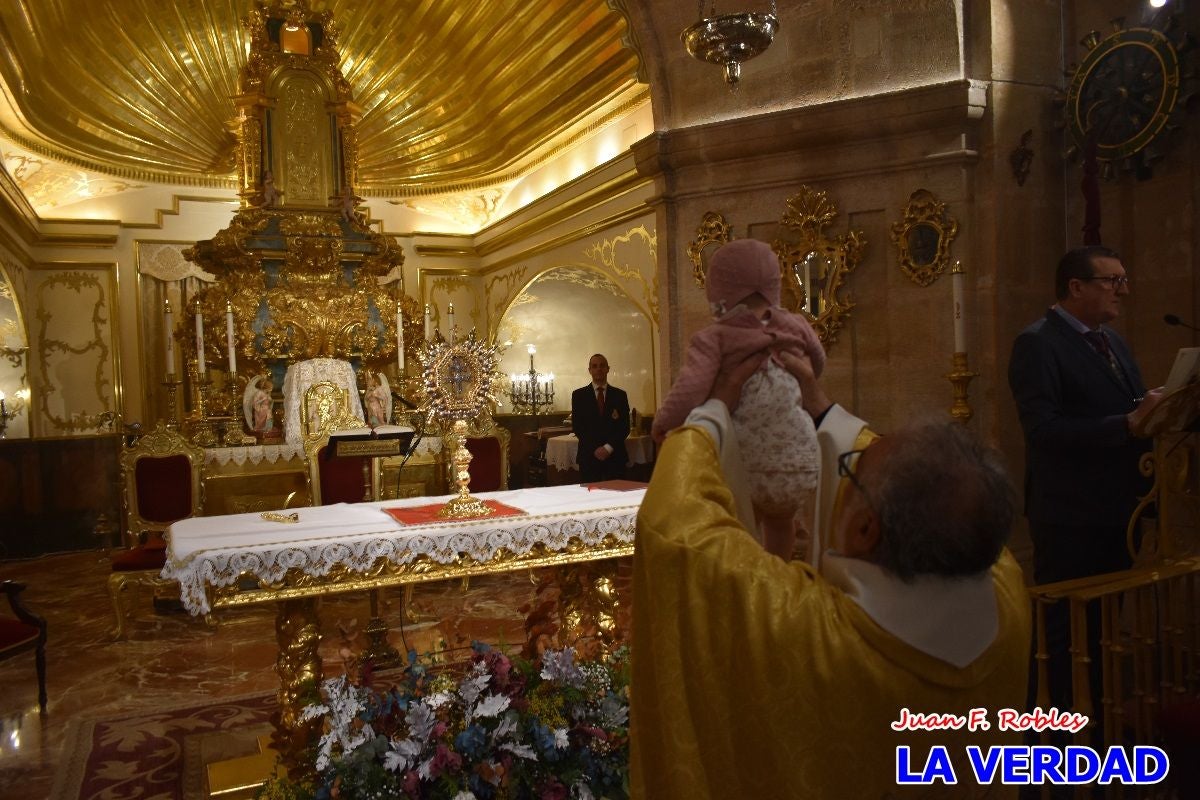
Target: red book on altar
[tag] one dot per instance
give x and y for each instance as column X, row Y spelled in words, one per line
column 428, row 515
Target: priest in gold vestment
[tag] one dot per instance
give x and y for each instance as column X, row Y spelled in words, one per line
column 756, row 678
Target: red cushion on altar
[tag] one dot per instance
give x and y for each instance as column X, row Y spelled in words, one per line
column 427, row 515
column 342, row 478
column 14, row 633
column 485, row 464
column 139, row 558
column 164, row 488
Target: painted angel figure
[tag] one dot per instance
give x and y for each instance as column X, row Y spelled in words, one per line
column 378, row 401
column 256, row 403
column 349, row 204
column 270, row 194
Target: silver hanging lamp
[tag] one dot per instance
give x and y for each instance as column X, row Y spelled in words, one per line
column 730, row 39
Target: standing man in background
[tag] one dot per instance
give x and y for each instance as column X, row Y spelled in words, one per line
column 600, row 417
column 1079, row 395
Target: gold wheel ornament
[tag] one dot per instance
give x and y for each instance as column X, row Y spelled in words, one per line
column 814, row 265
column 1128, row 92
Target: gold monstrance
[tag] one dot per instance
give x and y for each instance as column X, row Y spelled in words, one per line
column 459, row 378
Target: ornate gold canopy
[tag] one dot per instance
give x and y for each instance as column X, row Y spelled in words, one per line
column 454, row 96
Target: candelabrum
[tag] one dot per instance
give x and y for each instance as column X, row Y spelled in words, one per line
column 6, row 413
column 960, row 377
column 531, row 391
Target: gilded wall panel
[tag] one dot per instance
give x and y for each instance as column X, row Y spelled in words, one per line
column 73, row 339
column 460, row 290
column 14, row 354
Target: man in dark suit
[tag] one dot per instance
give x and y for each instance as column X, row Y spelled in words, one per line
column 1079, row 393
column 600, row 417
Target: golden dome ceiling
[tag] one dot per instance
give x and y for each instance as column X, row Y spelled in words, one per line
column 456, row 94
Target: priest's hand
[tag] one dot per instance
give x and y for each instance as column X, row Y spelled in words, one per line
column 728, row 384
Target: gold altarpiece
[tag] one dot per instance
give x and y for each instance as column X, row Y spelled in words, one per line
column 298, row 267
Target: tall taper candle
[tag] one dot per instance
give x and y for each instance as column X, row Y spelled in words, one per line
column 199, row 341
column 428, row 322
column 960, row 331
column 170, row 337
column 229, row 338
column 400, row 339
column 450, row 316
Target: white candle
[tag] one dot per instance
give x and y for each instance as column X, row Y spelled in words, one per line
column 960, row 331
column 229, row 338
column 428, row 322
column 450, row 317
column 199, row 341
column 400, row 339
column 170, row 338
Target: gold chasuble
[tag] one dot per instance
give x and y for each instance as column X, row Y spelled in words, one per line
column 754, row 678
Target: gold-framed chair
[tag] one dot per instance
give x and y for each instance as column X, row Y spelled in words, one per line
column 26, row 632
column 343, row 479
column 163, row 483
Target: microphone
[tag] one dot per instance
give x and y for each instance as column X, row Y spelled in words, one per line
column 1171, row 319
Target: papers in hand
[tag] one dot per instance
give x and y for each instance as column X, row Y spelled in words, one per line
column 1185, row 371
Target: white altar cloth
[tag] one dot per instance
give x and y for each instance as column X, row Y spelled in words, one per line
column 214, row 551
column 562, row 451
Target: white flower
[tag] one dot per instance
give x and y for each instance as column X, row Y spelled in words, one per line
column 343, row 701
column 438, row 700
column 420, row 719
column 521, row 750
column 613, row 712
column 401, row 754
column 489, row 706
column 471, row 687
column 465, row 795
column 560, row 739
column 506, row 726
column 581, row 791
column 560, row 666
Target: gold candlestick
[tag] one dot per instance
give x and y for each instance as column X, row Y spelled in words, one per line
column 960, row 377
column 172, row 384
column 464, row 506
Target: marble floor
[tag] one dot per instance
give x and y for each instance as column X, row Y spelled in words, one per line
column 169, row 659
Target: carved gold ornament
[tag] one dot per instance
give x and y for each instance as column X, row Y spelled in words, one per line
column 923, row 238
column 814, row 265
column 713, row 230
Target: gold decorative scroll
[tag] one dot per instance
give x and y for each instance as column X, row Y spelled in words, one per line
column 814, row 265
column 923, row 238
column 713, row 230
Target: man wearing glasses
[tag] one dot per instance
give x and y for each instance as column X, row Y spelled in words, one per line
column 1079, row 395
column 753, row 677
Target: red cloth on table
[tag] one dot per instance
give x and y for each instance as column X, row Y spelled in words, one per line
column 426, row 515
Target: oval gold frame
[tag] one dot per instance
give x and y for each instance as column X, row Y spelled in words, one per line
column 713, row 230
column 923, row 262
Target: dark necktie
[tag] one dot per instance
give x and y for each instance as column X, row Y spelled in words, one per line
column 600, row 400
column 1099, row 342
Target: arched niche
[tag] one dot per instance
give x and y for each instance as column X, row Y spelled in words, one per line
column 568, row 313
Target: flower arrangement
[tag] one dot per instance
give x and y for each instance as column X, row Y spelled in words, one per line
column 508, row 728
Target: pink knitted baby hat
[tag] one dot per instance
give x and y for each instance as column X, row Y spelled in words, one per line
column 741, row 268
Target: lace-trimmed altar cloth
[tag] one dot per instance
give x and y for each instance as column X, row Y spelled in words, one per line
column 304, row 374
column 214, row 551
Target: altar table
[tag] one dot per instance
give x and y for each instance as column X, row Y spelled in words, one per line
column 240, row 559
column 562, row 451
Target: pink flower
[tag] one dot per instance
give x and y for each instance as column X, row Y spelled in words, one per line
column 444, row 760
column 411, row 783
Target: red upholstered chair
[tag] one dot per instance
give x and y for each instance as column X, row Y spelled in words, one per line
column 487, row 443
column 26, row 632
column 163, row 475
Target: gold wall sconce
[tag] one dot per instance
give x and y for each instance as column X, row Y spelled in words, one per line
column 923, row 238
column 815, row 265
column 713, row 232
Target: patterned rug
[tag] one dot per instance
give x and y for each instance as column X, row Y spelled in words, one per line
column 160, row 754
